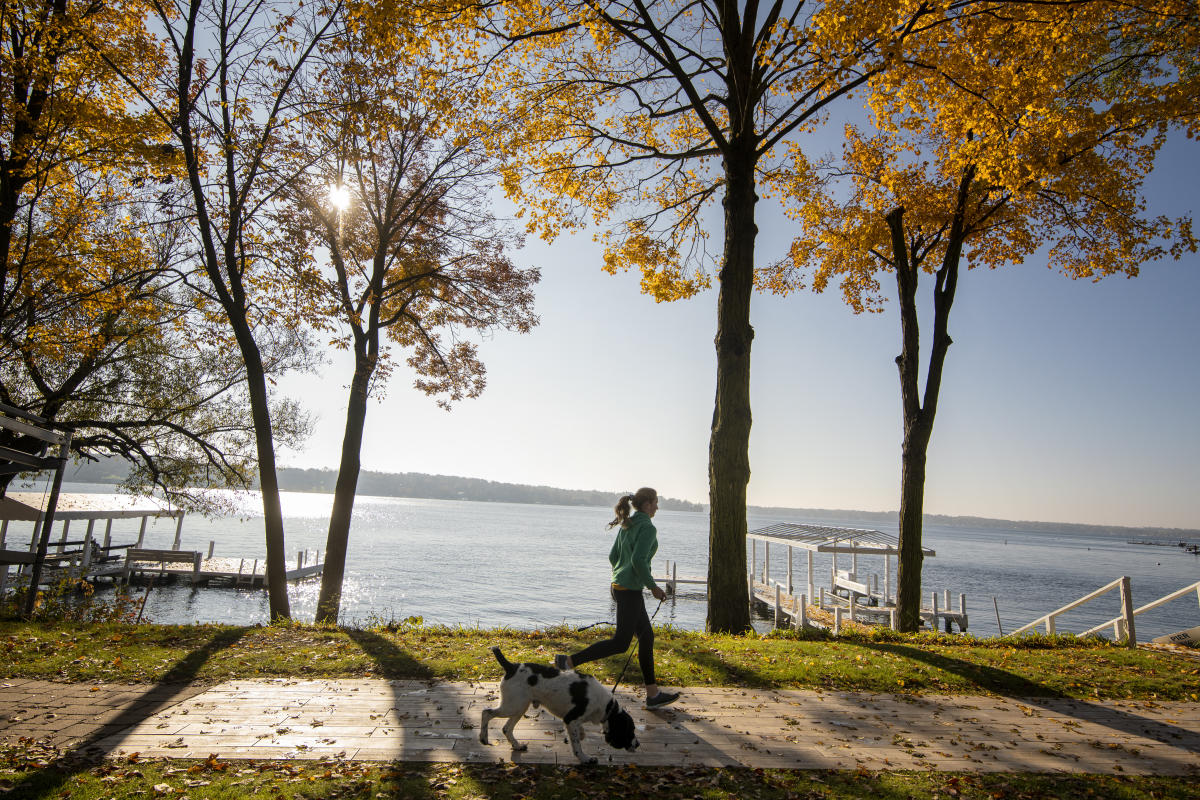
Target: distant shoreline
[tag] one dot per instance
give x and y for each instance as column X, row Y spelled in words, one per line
column 449, row 487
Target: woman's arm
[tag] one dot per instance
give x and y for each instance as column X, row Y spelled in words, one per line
column 645, row 543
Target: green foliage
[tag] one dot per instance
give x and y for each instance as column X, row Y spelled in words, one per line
column 72, row 600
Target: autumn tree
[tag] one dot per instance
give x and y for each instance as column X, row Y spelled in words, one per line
column 415, row 259
column 97, row 326
column 1029, row 131
column 232, row 71
column 642, row 117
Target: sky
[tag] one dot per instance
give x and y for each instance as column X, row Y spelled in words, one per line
column 1062, row 400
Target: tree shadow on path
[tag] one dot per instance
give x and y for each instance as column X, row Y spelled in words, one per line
column 172, row 688
column 1024, row 690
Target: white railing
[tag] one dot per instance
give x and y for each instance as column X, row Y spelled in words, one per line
column 1160, row 601
column 1122, row 625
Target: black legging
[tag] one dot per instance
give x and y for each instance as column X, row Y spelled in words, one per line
column 631, row 619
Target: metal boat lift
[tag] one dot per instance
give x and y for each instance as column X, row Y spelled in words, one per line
column 29, row 442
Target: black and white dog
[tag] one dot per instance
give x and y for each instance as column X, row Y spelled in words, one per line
column 572, row 697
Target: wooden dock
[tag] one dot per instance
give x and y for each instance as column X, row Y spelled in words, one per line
column 94, row 557
column 832, row 610
column 190, row 566
column 851, row 596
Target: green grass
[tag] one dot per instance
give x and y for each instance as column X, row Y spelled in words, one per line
column 26, row 773
column 885, row 662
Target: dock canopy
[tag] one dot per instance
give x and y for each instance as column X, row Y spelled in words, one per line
column 824, row 539
column 27, row 506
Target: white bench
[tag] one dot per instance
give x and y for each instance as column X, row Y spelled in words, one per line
column 163, row 557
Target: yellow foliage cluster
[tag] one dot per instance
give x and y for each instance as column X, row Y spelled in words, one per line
column 1034, row 124
column 78, row 151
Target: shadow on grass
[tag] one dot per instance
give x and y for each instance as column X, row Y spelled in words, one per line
column 724, row 673
column 173, row 687
column 391, row 660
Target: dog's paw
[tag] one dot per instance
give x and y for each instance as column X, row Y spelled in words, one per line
column 589, row 761
column 520, row 748
column 483, row 739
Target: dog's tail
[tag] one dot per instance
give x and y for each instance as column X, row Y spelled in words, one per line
column 509, row 667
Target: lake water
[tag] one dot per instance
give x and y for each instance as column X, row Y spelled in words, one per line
column 529, row 566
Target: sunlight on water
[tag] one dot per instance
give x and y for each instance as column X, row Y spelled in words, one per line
column 530, row 566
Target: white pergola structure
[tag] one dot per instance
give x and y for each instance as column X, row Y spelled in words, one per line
column 825, row 539
column 90, row 508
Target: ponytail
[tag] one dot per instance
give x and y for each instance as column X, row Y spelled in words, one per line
column 629, row 502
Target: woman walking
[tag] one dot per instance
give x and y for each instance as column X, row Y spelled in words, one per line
column 636, row 544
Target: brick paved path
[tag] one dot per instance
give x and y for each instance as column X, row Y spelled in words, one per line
column 438, row 721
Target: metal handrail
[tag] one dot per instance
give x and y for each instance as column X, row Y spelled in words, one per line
column 1160, row 601
column 1124, row 621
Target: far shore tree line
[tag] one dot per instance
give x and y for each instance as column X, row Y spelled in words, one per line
column 196, row 196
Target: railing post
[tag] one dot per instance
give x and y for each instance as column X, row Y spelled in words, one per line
column 802, row 617
column 812, row 587
column 778, row 604
column 892, row 618
column 767, row 563
column 178, row 533
column 62, row 543
column 837, row 620
column 1127, row 611
column 789, row 583
column 211, row 545
column 887, row 578
column 1050, row 625
column 86, row 560
column 933, row 621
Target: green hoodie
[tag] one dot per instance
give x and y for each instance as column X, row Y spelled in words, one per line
column 636, row 544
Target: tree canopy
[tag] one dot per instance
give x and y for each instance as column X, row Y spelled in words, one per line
column 1029, row 130
column 100, row 330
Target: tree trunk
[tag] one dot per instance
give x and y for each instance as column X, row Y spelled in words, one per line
column 729, row 445
column 336, row 544
column 268, row 478
column 919, row 413
column 912, row 480
column 912, row 510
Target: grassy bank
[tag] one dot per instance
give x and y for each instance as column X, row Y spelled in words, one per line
column 218, row 780
column 1034, row 666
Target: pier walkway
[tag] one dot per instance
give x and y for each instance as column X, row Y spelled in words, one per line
column 380, row 720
